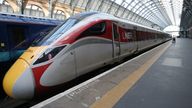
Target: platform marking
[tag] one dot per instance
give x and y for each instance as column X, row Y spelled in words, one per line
column 65, row 93
column 176, row 62
column 114, row 95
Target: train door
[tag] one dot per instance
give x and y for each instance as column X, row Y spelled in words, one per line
column 135, row 40
column 116, row 42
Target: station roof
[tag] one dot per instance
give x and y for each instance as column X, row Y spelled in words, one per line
column 159, row 13
column 153, row 13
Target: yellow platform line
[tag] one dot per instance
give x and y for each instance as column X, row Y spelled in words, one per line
column 112, row 96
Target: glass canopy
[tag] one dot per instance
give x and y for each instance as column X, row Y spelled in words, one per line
column 153, row 13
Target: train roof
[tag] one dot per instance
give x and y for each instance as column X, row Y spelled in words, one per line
column 142, row 26
column 5, row 17
column 111, row 17
column 139, row 26
column 83, row 15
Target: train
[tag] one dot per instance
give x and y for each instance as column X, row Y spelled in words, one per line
column 83, row 43
column 18, row 32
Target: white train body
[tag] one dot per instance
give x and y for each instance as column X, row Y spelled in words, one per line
column 81, row 44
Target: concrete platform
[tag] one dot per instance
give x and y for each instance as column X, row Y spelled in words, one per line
column 167, row 84
column 123, row 83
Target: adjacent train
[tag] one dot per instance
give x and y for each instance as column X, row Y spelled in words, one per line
column 17, row 33
column 84, row 42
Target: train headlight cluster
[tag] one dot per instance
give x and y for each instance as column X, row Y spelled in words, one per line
column 49, row 54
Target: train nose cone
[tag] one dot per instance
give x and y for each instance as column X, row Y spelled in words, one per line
column 18, row 81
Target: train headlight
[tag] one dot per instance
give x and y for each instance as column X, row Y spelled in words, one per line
column 49, row 54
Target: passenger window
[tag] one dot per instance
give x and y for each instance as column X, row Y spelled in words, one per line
column 129, row 35
column 97, row 29
column 16, row 35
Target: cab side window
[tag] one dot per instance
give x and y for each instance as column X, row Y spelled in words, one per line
column 97, row 29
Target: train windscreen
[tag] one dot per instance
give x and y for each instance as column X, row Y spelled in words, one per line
column 61, row 29
column 55, row 33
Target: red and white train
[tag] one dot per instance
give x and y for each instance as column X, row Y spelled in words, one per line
column 81, row 44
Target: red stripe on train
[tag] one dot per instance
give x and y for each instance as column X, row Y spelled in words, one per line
column 38, row 72
column 75, row 35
